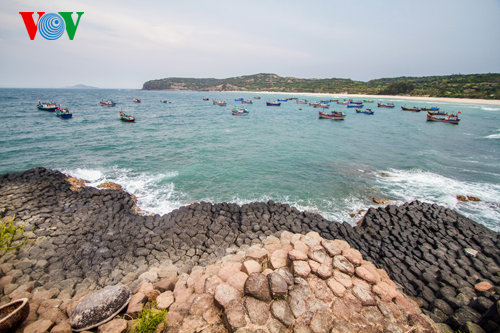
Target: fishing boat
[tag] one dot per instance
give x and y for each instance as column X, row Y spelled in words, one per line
column 46, row 106
column 239, row 112
column 367, row 111
column 356, row 102
column 321, row 105
column 107, row 103
column 414, row 109
column 136, row 100
column 354, row 105
column 314, row 103
column 239, row 100
column 436, row 113
column 388, row 105
column 433, row 108
column 452, row 119
column 333, row 115
column 162, row 101
column 62, row 112
column 127, row 118
column 327, row 101
column 247, row 102
column 256, row 97
column 367, row 101
column 302, row 101
column 275, row 103
column 221, row 103
column 283, row 100
column 206, row 99
column 343, row 103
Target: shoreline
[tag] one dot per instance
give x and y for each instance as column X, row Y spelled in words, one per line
column 373, row 97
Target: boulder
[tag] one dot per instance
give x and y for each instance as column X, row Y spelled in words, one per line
column 257, row 286
column 99, row 308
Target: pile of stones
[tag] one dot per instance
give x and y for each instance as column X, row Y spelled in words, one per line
column 299, row 283
column 86, row 238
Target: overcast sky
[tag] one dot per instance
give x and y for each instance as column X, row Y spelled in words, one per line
column 122, row 44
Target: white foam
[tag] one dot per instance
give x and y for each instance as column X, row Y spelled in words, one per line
column 153, row 193
column 489, row 108
column 493, row 136
column 409, row 185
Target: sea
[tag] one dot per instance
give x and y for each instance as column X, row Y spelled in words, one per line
column 189, row 150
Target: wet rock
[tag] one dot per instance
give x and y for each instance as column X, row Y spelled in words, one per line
column 99, row 307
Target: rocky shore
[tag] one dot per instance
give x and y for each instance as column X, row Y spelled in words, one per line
column 86, row 239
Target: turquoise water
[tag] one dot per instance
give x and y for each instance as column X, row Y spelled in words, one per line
column 190, row 150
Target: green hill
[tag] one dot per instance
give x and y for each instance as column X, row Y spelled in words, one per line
column 460, row 86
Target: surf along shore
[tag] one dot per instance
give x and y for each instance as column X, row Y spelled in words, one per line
column 399, row 266
column 374, row 97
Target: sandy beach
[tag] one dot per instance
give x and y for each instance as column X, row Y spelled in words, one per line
column 376, row 97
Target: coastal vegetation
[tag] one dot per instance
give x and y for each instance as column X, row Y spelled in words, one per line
column 149, row 319
column 485, row 86
column 11, row 236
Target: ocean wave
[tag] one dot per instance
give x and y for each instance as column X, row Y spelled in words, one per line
column 154, row 192
column 493, row 136
column 409, row 185
column 490, row 108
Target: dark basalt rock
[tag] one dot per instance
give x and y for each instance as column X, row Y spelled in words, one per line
column 84, row 235
column 99, row 307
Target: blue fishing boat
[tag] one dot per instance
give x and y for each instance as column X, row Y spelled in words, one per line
column 354, row 105
column 283, row 100
column 334, row 115
column 162, row 101
column 63, row 113
column 247, row 102
column 367, row 111
column 239, row 99
column 273, row 103
column 414, row 109
column 388, row 105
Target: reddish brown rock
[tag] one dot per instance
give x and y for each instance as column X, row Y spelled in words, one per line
column 114, row 326
column 325, row 271
column 336, row 287
column 365, row 274
column 297, row 255
column 343, row 279
column 281, row 311
column 257, row 286
column 309, row 241
column 261, row 256
column 320, row 289
column 144, row 288
column 211, row 283
column 199, row 285
column 164, row 300
column 136, row 303
column 153, row 295
column 301, row 268
column 331, row 247
column 279, row 258
column 300, row 246
column 238, row 281
column 483, row 286
column 193, row 278
column 258, row 311
column 353, row 255
column 201, row 304
column 314, row 266
column 234, row 315
column 251, row 266
column 322, row 321
column 318, row 253
column 352, row 302
column 192, row 323
column 385, row 291
column 340, row 309
column 229, row 269
column 272, row 244
column 364, row 295
column 63, row 327
column 404, row 305
column 342, row 264
column 225, row 293
column 341, row 244
column 39, row 326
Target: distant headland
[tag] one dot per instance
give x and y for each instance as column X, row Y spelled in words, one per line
column 81, row 86
column 484, row 86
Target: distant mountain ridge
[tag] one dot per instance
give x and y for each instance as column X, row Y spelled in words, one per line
column 81, row 86
column 457, row 85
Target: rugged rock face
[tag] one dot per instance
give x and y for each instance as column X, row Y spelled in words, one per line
column 88, row 238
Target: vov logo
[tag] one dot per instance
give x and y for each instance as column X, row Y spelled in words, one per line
column 50, row 25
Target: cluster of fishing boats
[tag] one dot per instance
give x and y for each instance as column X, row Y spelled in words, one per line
column 433, row 113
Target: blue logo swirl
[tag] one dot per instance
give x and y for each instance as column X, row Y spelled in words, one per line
column 51, row 26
